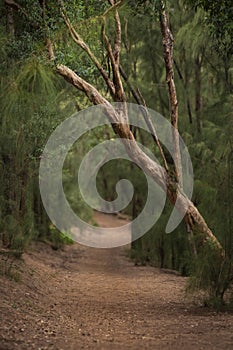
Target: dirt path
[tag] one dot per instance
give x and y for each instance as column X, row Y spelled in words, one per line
column 84, row 298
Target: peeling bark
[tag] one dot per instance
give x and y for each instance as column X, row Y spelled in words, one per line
column 193, row 218
column 151, row 168
column 168, row 41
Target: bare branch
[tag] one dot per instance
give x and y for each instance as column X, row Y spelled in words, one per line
column 140, row 101
column 114, row 54
column 121, row 129
column 152, row 130
column 91, row 92
column 49, row 47
column 117, row 43
column 126, row 42
column 193, row 218
column 185, row 91
column 168, row 41
column 13, row 4
column 80, row 42
column 113, row 7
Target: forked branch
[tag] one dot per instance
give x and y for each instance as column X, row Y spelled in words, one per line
column 114, row 52
column 81, row 43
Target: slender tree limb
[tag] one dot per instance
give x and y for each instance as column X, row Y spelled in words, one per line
column 198, row 99
column 153, row 131
column 155, row 171
column 117, row 42
column 168, row 41
column 185, row 91
column 113, row 7
column 116, row 88
column 80, row 42
column 114, row 56
column 49, row 46
column 108, row 47
column 126, row 41
column 13, row 4
column 70, row 76
column 48, row 41
column 192, row 217
column 115, row 119
column 140, row 101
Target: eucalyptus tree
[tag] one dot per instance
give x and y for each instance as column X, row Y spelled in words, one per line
column 117, row 92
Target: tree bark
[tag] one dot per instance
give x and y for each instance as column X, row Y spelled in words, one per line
column 193, row 218
column 168, row 41
column 184, row 83
column 155, row 171
column 198, row 64
column 10, row 21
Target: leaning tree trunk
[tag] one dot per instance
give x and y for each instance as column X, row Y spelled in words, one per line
column 195, row 222
column 159, row 174
column 156, row 172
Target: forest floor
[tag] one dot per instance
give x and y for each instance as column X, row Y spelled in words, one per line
column 86, row 298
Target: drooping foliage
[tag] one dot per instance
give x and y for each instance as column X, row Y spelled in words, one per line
column 34, row 101
column 203, row 80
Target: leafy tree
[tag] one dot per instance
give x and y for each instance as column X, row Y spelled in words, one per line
column 33, row 102
column 114, row 53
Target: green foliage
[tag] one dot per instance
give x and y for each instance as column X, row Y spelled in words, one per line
column 33, row 101
column 192, row 36
column 219, row 18
column 138, row 254
column 8, row 267
column 163, row 250
column 59, row 239
column 211, row 151
column 212, row 274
